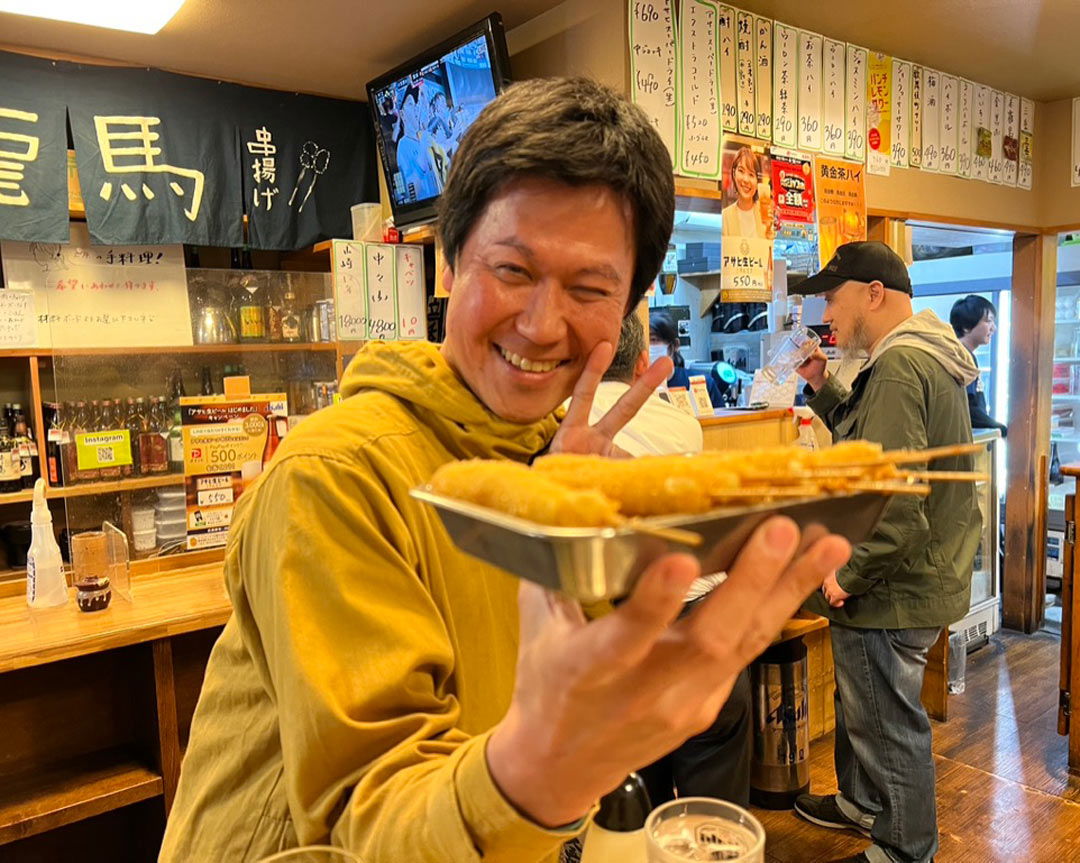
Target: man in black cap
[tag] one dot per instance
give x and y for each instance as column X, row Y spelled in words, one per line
column 913, row 576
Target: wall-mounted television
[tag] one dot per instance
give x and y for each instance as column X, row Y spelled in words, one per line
column 423, row 107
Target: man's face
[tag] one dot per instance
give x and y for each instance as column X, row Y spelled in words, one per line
column 845, row 313
column 543, row 277
column 984, row 330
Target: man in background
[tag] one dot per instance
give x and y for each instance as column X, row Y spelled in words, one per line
column 974, row 320
column 888, row 605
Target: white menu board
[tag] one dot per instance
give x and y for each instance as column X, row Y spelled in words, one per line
column 931, row 119
column 915, row 121
column 763, row 75
column 810, row 45
column 1011, row 142
column 412, row 303
column 90, row 296
column 947, row 126
column 832, row 102
column 350, row 296
column 855, row 104
column 1027, row 143
column 653, row 65
column 379, row 276
column 965, row 128
column 744, row 48
column 901, row 105
column 785, row 85
column 996, row 167
column 18, row 321
column 980, row 136
column 729, row 77
column 699, row 101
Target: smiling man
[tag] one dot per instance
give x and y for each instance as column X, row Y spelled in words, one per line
column 913, row 576
column 377, row 689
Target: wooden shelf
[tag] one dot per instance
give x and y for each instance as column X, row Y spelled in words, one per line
column 133, row 484
column 801, row 624
column 17, row 497
column 47, row 798
column 260, row 348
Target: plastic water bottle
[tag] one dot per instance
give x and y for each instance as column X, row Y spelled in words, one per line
column 807, row 438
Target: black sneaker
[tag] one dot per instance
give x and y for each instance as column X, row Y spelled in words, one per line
column 824, row 812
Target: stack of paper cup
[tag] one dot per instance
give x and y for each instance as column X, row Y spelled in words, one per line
column 367, row 222
column 170, row 515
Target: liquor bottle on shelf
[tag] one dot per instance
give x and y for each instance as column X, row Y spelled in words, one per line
column 176, row 435
column 207, row 388
column 290, row 317
column 69, row 462
column 9, row 419
column 83, row 423
column 53, row 417
column 29, row 469
column 108, row 422
column 10, row 465
column 157, row 436
column 134, row 425
column 273, row 314
column 138, row 423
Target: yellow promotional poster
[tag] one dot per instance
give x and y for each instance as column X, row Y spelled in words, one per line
column 747, row 224
column 841, row 203
column 103, row 449
column 878, row 111
column 227, row 442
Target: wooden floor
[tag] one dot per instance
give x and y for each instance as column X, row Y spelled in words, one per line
column 1003, row 790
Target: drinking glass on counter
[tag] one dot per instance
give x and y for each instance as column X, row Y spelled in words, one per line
column 313, row 854
column 796, row 348
column 690, row 829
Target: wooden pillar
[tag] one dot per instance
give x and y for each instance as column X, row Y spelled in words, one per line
column 1034, row 285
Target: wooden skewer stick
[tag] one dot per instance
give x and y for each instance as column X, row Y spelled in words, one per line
column 887, row 487
column 905, row 456
column 671, row 534
column 945, row 475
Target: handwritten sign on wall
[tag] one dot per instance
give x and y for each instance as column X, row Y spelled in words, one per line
column 931, row 120
column 763, row 76
column 981, row 146
column 89, row 296
column 1027, row 132
column 965, row 129
column 653, row 67
column 879, row 99
column 380, row 266
column 18, row 324
column 412, row 304
column 700, row 131
column 832, row 98
column 785, row 85
column 729, row 87
column 947, row 127
column 996, row 165
column 915, row 121
column 855, row 104
column 747, row 102
column 350, row 295
column 810, row 47
column 1010, row 144
column 900, row 120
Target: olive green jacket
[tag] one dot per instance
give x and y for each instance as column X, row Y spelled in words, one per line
column 915, row 570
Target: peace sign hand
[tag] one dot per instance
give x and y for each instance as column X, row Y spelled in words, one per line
column 575, row 435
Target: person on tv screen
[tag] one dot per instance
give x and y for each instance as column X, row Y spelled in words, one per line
column 413, row 149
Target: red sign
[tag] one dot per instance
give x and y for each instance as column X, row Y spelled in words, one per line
column 875, row 139
column 793, row 186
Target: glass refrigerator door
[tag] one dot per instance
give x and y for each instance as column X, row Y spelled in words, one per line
column 1065, row 398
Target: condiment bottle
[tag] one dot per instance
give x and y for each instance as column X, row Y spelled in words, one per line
column 617, row 831
column 45, row 583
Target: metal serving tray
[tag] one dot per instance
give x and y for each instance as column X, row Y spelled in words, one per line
column 591, row 564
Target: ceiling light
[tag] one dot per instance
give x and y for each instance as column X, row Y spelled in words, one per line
column 136, row 16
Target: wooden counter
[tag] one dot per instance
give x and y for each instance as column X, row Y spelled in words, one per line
column 732, row 429
column 162, row 606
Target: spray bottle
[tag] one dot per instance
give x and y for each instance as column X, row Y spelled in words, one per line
column 45, row 582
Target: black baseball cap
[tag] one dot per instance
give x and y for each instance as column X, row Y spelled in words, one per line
column 867, row 261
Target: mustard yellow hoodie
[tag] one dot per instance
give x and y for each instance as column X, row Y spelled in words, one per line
column 350, row 695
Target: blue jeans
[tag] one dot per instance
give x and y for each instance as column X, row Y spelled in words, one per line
column 884, row 762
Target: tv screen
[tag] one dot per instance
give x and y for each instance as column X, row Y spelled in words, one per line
column 423, row 107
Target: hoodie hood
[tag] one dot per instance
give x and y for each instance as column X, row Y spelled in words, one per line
column 927, row 332
column 418, row 375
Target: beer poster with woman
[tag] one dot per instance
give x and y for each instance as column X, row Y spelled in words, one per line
column 746, row 230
